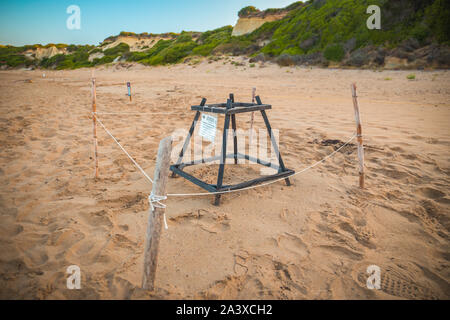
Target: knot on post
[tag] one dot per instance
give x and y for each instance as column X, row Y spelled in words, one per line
column 155, row 202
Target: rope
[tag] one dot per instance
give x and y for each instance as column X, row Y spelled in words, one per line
column 128, row 155
column 267, row 183
column 156, row 199
column 155, row 202
column 133, row 113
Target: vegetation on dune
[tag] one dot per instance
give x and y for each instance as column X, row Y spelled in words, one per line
column 326, row 24
column 316, row 31
column 76, row 58
column 334, row 53
column 246, row 11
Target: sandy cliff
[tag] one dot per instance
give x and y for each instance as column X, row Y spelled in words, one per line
column 135, row 43
column 250, row 24
column 41, row 53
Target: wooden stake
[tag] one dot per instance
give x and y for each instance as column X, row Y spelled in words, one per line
column 94, row 119
column 359, row 137
column 129, row 89
column 154, row 225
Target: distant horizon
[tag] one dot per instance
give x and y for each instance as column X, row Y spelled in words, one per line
column 29, row 22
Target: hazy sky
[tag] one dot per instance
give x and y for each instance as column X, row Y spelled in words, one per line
column 44, row 21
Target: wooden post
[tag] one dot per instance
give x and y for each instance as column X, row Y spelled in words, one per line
column 359, row 136
column 129, row 89
column 94, row 119
column 154, row 225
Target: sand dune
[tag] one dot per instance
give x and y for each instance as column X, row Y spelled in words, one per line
column 313, row 240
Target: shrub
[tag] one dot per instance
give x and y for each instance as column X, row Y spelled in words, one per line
column 285, row 60
column 334, row 53
column 103, row 60
column 245, row 12
column 14, row 60
column 411, row 76
column 117, row 50
column 176, row 52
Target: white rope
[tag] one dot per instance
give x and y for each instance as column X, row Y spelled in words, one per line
column 128, row 155
column 267, row 183
column 155, row 202
column 156, row 199
column 133, row 113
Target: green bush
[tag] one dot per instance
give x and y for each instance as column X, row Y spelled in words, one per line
column 117, row 50
column 308, row 30
column 103, row 60
column 14, row 60
column 209, row 40
column 244, row 12
column 437, row 17
column 177, row 51
column 334, row 53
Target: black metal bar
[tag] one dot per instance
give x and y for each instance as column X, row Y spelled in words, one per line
column 259, row 161
column 229, row 156
column 257, row 181
column 188, row 138
column 224, row 152
column 236, row 109
column 249, row 109
column 233, row 124
column 209, row 109
column 200, row 161
column 193, row 179
column 272, row 138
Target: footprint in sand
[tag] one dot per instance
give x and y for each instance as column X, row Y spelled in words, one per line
column 361, row 234
column 10, row 231
column 400, row 281
column 66, row 238
column 293, row 244
column 98, row 219
column 431, row 193
column 208, row 221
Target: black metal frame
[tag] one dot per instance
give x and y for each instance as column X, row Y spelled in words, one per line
column 230, row 109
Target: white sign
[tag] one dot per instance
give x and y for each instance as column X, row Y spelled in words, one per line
column 208, row 127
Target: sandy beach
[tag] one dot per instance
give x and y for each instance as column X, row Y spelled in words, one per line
column 312, row 240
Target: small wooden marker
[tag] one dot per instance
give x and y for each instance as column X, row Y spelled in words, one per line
column 129, row 89
column 358, row 136
column 94, row 119
column 155, row 218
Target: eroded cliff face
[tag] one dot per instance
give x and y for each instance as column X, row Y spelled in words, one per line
column 135, row 43
column 249, row 24
column 41, row 53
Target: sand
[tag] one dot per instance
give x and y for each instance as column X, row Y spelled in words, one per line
column 312, row 240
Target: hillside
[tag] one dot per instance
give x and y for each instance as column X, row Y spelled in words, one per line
column 414, row 34
column 251, row 18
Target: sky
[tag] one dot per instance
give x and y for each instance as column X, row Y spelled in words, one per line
column 44, row 21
